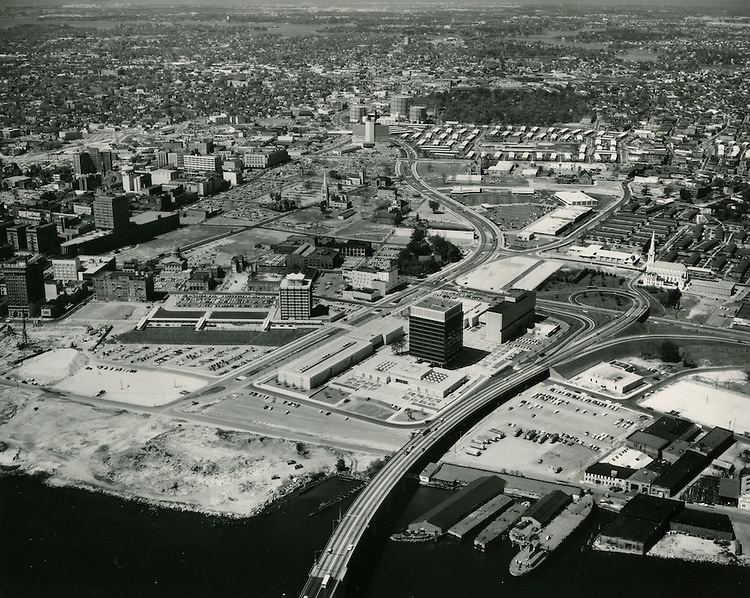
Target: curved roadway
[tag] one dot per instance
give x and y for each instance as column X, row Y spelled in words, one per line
column 331, row 567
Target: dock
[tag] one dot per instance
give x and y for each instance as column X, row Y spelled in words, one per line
column 564, row 524
column 479, row 517
column 499, row 526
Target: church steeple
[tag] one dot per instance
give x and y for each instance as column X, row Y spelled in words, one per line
column 652, row 248
column 324, row 192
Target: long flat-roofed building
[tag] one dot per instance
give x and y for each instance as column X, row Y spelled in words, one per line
column 448, row 513
column 436, row 330
column 614, row 379
column 320, row 365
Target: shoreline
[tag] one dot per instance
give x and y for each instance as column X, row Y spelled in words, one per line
column 158, row 461
column 268, row 507
column 680, row 553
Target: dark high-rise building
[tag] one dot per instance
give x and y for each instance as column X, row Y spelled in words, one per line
column 43, row 238
column 436, row 330
column 82, row 163
column 24, row 284
column 17, row 236
column 112, row 213
column 101, row 160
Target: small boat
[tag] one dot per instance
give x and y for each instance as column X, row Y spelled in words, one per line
column 407, row 536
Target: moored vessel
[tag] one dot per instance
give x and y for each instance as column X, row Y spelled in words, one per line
column 550, row 537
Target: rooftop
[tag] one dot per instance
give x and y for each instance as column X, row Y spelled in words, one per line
column 629, row 528
column 651, row 508
column 465, row 501
column 548, row 506
column 671, row 428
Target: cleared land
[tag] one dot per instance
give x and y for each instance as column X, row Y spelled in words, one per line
column 69, row 370
column 146, row 457
column 704, row 403
column 167, row 242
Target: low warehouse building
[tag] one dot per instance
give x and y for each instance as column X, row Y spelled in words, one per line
column 647, row 443
column 640, row 524
column 605, row 474
column 442, row 517
column 629, row 535
column 673, row 428
column 652, row 508
column 682, row 471
column 714, row 526
column 317, row 367
column 614, row 379
column 714, row 443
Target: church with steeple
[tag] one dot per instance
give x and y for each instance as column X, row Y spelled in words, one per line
column 659, row 274
column 334, row 200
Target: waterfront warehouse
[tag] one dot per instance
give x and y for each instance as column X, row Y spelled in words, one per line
column 442, row 517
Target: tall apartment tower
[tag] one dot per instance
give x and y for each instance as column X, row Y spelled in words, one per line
column 436, row 330
column 295, row 297
column 111, row 213
column 24, row 282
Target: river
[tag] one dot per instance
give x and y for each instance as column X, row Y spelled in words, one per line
column 61, row 542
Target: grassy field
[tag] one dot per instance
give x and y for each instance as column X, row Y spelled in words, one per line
column 700, row 351
column 567, row 279
column 604, row 300
column 188, row 336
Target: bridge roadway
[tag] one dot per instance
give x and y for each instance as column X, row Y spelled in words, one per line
column 331, row 567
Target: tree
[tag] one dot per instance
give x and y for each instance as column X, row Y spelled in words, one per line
column 302, row 449
column 673, row 298
column 444, row 249
column 685, row 195
column 669, row 352
column 398, row 345
column 668, row 191
column 341, row 465
column 434, row 205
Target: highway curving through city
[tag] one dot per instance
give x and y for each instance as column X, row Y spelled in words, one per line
column 331, row 567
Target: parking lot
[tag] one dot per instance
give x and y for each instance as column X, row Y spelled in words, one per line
column 216, row 360
column 548, row 432
column 223, row 300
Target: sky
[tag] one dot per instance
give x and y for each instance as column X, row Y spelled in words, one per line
column 713, row 4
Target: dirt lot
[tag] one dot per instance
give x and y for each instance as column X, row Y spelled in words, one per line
column 586, row 431
column 138, row 455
